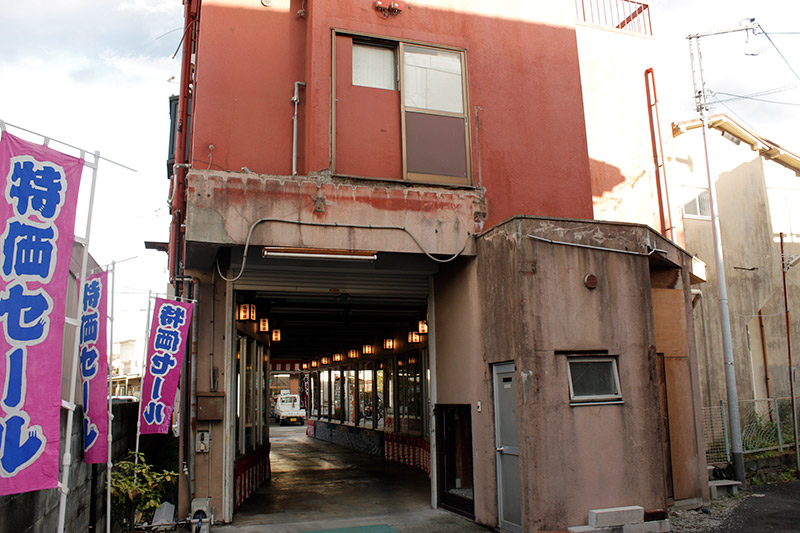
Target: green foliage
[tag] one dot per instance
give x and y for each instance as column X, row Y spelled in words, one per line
column 137, row 488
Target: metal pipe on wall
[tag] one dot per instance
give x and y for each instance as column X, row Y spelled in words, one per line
column 193, row 384
column 699, row 294
column 295, row 101
column 764, row 352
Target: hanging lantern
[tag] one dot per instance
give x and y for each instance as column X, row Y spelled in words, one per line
column 388, row 344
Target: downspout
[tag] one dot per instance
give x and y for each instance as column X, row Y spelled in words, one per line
column 193, row 384
column 295, row 101
column 212, row 381
column 177, row 200
column 764, row 351
column 699, row 294
column 664, row 212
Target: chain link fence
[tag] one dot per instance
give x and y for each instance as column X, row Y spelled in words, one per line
column 766, row 426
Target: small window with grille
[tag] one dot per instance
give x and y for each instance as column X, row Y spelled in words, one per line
column 697, row 203
column 593, row 379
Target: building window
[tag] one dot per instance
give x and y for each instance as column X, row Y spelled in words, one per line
column 407, row 102
column 593, row 379
column 434, row 115
column 374, row 66
column 697, row 203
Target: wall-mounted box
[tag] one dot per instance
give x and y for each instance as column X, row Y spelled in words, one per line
column 210, row 406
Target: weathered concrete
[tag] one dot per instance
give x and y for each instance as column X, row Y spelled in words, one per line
column 32, row 512
column 755, row 196
column 538, row 311
column 223, row 207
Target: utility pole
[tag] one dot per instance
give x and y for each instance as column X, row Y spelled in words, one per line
column 701, row 99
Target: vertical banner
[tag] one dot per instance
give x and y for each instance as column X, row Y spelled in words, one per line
column 168, row 340
column 94, row 368
column 37, row 217
column 303, row 390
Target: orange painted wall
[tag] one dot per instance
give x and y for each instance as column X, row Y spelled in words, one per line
column 523, row 82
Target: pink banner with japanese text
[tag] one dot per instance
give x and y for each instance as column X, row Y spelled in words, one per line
column 37, row 217
column 94, row 368
column 165, row 350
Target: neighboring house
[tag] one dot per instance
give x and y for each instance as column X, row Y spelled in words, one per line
column 758, row 192
column 127, row 368
column 402, row 198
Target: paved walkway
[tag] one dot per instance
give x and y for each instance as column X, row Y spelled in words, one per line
column 320, row 486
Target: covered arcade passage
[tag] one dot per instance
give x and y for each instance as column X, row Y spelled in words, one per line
column 351, row 339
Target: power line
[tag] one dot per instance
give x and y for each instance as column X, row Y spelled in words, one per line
column 778, row 50
column 753, row 98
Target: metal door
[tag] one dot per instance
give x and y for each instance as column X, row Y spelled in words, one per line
column 507, row 447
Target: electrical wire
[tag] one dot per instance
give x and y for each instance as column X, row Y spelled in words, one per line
column 734, row 97
column 778, row 50
column 337, row 225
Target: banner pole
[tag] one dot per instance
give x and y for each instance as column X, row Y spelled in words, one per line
column 144, row 372
column 109, row 464
column 66, row 461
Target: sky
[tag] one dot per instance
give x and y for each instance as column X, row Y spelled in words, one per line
column 729, row 67
column 94, row 74
column 97, row 74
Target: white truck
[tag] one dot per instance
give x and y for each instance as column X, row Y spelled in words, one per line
column 287, row 409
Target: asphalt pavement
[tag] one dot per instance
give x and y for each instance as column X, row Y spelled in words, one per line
column 772, row 508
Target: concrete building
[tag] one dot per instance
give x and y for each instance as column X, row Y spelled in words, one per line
column 757, row 186
column 402, row 197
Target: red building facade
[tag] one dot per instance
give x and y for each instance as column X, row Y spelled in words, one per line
column 442, row 146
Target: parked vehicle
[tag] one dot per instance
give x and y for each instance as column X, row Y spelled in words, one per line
column 287, row 409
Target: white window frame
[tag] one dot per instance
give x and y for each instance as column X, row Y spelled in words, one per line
column 696, row 200
column 598, row 398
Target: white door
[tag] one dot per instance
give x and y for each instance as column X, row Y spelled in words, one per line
column 507, row 447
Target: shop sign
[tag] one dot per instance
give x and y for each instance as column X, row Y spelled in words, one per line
column 37, row 217
column 168, row 336
column 94, row 369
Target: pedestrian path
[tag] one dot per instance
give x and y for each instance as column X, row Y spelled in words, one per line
column 320, row 486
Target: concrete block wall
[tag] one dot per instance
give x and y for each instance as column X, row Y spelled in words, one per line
column 34, row 512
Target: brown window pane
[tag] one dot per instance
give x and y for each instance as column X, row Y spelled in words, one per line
column 436, row 144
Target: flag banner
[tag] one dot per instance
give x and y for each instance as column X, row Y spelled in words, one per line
column 94, row 368
column 165, row 350
column 37, row 217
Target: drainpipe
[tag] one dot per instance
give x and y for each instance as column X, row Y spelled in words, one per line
column 764, row 351
column 699, row 294
column 664, row 213
column 295, row 101
column 212, row 383
column 193, row 384
column 190, row 18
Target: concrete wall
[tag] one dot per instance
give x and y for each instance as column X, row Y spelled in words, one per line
column 462, row 375
column 210, row 327
column 575, row 458
column 33, row 512
column 222, row 208
column 752, row 265
column 622, row 168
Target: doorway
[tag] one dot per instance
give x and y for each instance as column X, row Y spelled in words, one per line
column 509, row 507
column 454, row 450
